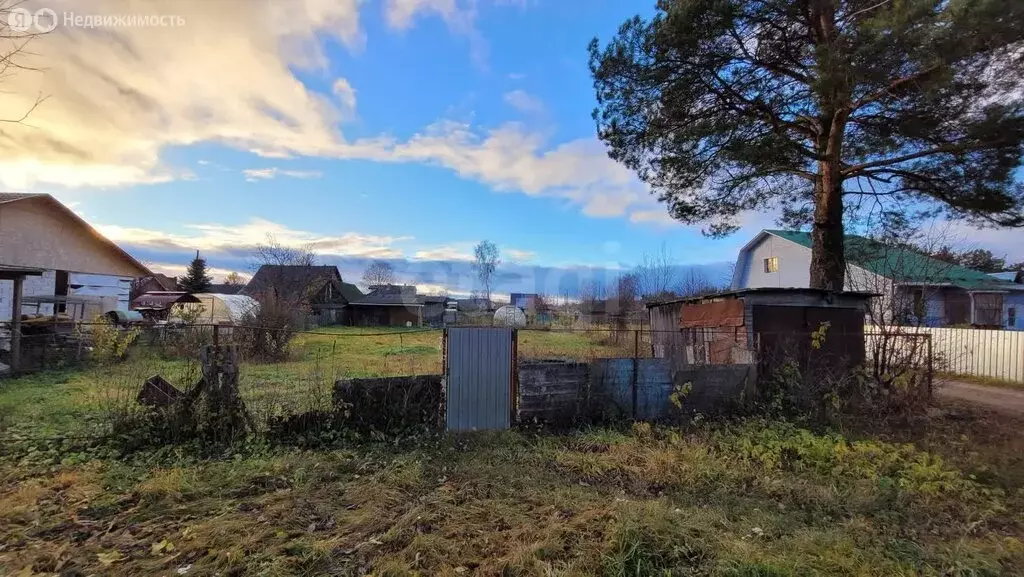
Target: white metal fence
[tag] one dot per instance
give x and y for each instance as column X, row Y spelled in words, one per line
column 978, row 352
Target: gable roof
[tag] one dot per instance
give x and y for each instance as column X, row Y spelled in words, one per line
column 909, row 265
column 390, row 295
column 7, row 197
column 296, row 281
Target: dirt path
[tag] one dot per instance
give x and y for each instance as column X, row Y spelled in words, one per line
column 1010, row 401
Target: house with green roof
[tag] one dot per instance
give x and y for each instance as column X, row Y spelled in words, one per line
column 913, row 287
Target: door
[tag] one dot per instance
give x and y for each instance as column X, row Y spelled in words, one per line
column 478, row 374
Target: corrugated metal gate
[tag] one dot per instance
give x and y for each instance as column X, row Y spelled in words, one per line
column 478, row 373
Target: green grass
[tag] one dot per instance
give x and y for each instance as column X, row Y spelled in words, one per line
column 652, row 501
column 73, row 401
column 755, row 499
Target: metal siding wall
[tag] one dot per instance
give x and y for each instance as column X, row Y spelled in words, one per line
column 479, row 378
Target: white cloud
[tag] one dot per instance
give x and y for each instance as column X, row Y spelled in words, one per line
column 518, row 256
column 179, row 270
column 458, row 252
column 516, row 76
column 511, row 158
column 120, row 96
column 346, row 95
column 257, row 174
column 657, row 216
column 221, row 238
column 524, row 102
column 458, row 15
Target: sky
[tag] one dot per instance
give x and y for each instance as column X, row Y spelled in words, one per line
column 404, row 130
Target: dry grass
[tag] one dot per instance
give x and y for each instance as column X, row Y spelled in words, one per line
column 723, row 500
column 638, row 502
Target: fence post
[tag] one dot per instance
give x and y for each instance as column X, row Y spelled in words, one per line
column 931, row 364
column 636, row 367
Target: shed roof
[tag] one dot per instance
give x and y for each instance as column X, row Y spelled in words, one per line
column 384, row 300
column 162, row 299
column 907, row 265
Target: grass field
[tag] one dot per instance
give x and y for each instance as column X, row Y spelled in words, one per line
column 739, row 500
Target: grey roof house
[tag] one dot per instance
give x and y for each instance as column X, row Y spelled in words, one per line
column 388, row 305
column 318, row 289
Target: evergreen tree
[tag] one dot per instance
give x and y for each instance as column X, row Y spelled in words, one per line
column 196, row 279
column 812, row 107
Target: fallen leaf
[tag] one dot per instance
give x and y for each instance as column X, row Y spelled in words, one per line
column 110, row 557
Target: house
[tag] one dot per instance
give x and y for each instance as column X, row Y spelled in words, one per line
column 525, row 301
column 475, row 304
column 388, row 305
column 155, row 282
column 915, row 289
column 316, row 289
column 433, row 309
column 76, row 263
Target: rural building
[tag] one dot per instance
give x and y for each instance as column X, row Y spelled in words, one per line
column 433, row 309
column 155, row 282
column 729, row 327
column 157, row 305
column 318, row 289
column 76, row 262
column 525, row 301
column 388, row 305
column 915, row 289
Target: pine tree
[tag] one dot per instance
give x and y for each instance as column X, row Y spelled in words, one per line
column 817, row 107
column 196, row 279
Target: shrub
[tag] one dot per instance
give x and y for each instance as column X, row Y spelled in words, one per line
column 110, row 343
column 266, row 332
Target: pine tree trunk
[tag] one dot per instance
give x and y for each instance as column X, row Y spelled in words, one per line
column 828, row 265
column 828, row 261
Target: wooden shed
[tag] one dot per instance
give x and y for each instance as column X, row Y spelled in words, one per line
column 762, row 325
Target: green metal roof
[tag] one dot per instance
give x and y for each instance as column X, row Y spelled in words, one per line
column 905, row 265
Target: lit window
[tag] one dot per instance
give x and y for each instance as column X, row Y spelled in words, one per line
column 771, row 264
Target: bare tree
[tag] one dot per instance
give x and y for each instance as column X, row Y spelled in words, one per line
column 695, row 284
column 17, row 31
column 273, row 252
column 379, row 273
column 485, row 262
column 657, row 274
column 592, row 296
column 234, row 279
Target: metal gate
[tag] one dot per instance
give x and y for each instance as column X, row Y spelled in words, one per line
column 478, row 373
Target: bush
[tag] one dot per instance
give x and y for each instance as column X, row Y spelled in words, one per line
column 110, row 343
column 267, row 331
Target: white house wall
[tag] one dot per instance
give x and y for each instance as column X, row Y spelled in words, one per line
column 794, row 265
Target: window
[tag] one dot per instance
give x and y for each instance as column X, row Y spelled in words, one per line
column 988, row 309
column 771, row 264
column 1011, row 317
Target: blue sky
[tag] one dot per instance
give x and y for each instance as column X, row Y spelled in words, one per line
column 400, row 129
